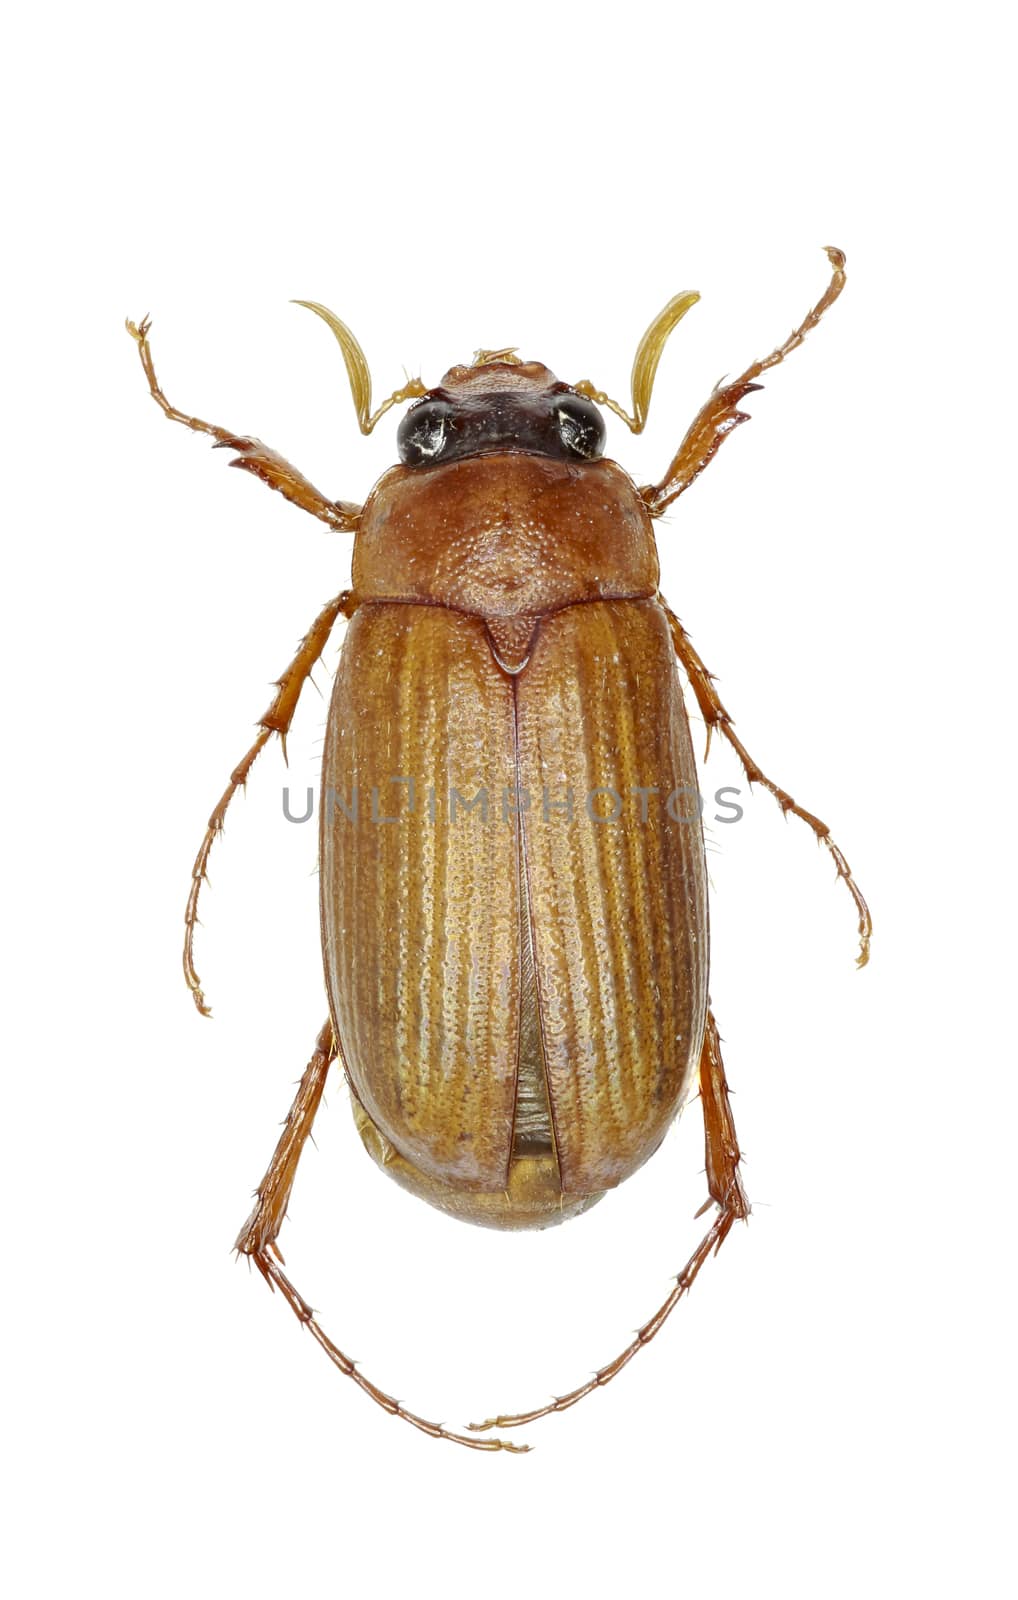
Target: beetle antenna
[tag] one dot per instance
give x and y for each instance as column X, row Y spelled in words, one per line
column 648, row 354
column 358, row 371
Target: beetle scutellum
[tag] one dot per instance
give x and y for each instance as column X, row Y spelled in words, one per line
column 517, row 989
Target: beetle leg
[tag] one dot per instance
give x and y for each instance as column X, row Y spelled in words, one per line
column 715, row 716
column 257, row 1241
column 259, row 1233
column 277, row 719
column 724, row 1181
column 254, row 456
column 721, row 414
column 726, row 1192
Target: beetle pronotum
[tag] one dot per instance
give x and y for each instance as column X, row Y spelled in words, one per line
column 517, row 995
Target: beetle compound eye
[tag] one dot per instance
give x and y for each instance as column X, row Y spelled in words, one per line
column 580, row 426
column 423, row 434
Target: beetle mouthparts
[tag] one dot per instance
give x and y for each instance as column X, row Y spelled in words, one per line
column 508, row 355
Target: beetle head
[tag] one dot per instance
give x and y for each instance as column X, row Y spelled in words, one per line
column 497, row 404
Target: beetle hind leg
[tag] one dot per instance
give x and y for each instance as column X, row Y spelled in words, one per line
column 724, row 1182
column 257, row 1241
column 259, row 1233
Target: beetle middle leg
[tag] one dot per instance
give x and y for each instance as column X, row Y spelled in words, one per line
column 724, row 1183
column 715, row 716
column 253, row 456
column 277, row 719
column 257, row 1241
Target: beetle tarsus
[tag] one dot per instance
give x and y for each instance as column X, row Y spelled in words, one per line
column 349, row 1369
column 710, row 1244
column 724, row 1182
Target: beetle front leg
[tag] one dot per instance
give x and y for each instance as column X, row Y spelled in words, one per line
column 254, row 456
column 277, row 719
column 726, row 1192
column 715, row 716
column 721, row 414
column 257, row 1241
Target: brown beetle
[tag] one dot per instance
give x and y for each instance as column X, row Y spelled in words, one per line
column 516, row 965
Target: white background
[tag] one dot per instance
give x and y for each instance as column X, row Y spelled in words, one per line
column 831, row 1412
